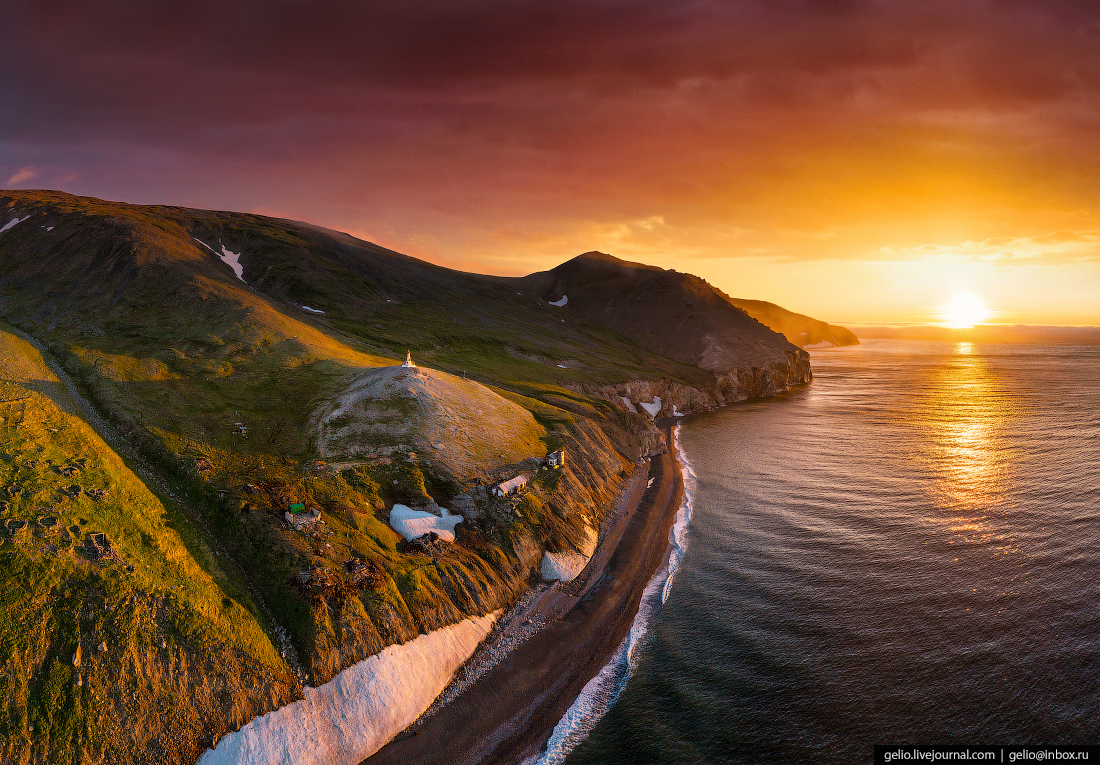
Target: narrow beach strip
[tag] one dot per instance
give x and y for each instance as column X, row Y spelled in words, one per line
column 509, row 713
column 602, row 691
column 358, row 711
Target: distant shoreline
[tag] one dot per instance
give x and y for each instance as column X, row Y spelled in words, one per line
column 508, row 714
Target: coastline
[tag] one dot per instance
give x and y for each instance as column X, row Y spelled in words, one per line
column 519, row 701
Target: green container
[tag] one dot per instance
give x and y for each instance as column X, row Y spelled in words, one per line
column 297, row 507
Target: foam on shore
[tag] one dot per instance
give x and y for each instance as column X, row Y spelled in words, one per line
column 356, row 713
column 604, row 689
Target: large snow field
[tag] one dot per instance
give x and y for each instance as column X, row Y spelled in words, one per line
column 411, row 523
column 360, row 710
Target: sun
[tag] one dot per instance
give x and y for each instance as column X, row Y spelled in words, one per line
column 964, row 311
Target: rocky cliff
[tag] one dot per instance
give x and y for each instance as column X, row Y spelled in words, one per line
column 679, row 316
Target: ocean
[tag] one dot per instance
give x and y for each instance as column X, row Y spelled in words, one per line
column 903, row 551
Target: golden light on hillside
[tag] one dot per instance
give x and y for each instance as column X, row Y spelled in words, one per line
column 965, row 310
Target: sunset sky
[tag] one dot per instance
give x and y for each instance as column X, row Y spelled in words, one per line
column 860, row 161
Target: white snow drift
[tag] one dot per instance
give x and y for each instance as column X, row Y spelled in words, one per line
column 312, row 310
column 231, row 259
column 565, row 566
column 560, row 303
column 12, row 224
column 653, row 408
column 411, row 523
column 356, row 713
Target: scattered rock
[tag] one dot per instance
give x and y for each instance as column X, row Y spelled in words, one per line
column 15, row 525
column 103, row 647
column 365, row 573
column 99, row 547
column 71, row 491
column 203, row 465
column 428, row 544
column 96, row 494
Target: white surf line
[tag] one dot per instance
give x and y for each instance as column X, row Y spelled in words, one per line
column 602, row 691
column 13, row 223
column 360, row 710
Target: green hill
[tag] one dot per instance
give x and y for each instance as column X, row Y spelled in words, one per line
column 233, row 356
column 118, row 624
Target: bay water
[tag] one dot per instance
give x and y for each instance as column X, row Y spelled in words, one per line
column 906, row 550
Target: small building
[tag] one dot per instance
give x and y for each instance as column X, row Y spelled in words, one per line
column 511, row 486
column 299, row 519
column 556, row 459
column 408, row 359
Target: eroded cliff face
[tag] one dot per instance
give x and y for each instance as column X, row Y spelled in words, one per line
column 731, row 386
column 494, row 558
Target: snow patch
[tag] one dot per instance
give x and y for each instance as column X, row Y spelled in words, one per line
column 628, row 404
column 233, row 260
column 49, row 228
column 14, row 223
column 652, row 408
column 562, row 366
column 411, row 523
column 565, row 566
column 311, row 310
column 676, row 412
column 560, row 303
column 356, row 713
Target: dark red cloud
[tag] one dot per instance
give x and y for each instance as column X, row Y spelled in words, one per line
column 436, row 124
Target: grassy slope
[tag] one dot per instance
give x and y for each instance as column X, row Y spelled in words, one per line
column 176, row 350
column 177, row 594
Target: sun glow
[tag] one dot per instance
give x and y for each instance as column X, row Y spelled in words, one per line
column 964, row 311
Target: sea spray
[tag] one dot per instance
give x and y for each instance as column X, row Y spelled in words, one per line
column 602, row 691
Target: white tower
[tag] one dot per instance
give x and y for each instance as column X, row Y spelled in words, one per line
column 408, row 360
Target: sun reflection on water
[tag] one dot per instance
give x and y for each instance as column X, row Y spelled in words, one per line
column 961, row 418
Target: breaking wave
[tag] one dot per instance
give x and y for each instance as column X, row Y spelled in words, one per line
column 602, row 691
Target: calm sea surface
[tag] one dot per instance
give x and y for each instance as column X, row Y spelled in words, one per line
column 904, row 551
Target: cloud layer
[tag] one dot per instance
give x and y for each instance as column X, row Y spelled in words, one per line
column 508, row 135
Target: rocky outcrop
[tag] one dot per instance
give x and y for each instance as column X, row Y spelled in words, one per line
column 729, row 387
